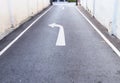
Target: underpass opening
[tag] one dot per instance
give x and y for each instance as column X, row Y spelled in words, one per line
column 76, row 1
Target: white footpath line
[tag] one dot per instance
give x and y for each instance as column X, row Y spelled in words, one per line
column 22, row 33
column 101, row 34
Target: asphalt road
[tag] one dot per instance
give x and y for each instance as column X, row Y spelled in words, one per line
column 35, row 58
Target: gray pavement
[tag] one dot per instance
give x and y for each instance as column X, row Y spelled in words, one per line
column 35, row 58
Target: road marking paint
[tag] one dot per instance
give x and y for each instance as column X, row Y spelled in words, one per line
column 61, row 35
column 63, row 8
column 21, row 34
column 101, row 34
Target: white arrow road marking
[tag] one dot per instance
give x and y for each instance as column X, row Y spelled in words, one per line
column 61, row 35
column 63, row 8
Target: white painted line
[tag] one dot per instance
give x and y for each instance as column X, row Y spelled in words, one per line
column 61, row 35
column 11, row 43
column 101, row 34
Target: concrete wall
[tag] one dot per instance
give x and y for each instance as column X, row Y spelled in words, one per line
column 15, row 12
column 107, row 12
column 118, row 21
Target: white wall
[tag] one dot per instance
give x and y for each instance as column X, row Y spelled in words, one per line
column 83, row 3
column 4, row 22
column 90, row 6
column 15, row 12
column 118, row 21
column 19, row 11
column 104, row 13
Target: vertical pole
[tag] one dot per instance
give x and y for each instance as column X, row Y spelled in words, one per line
column 79, row 2
column 28, row 8
column 51, row 2
column 114, row 20
column 94, row 1
column 86, row 4
column 37, row 6
column 11, row 13
column 76, row 2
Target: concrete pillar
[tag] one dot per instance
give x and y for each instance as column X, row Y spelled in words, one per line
column 11, row 13
column 114, row 20
column 94, row 7
column 86, row 4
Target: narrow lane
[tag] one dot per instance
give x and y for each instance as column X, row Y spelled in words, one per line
column 35, row 58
